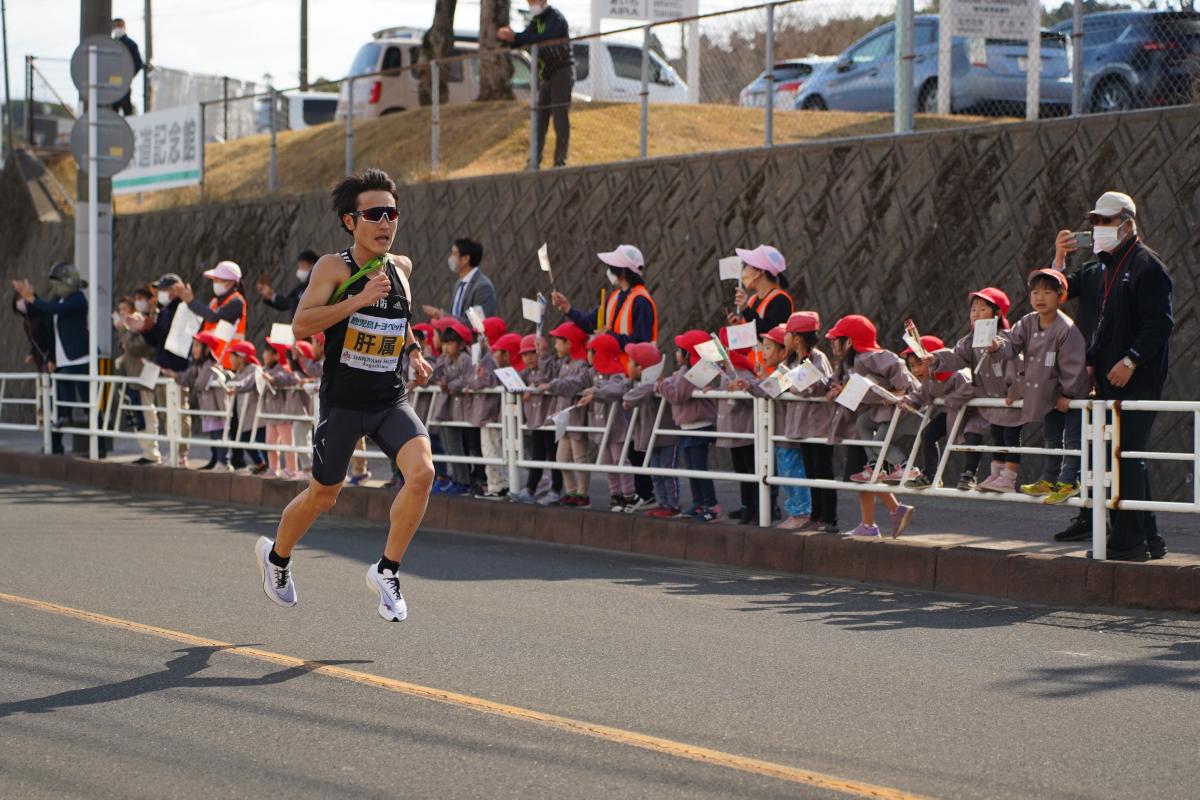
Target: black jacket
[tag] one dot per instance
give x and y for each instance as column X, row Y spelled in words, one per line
column 157, row 337
column 547, row 26
column 1086, row 285
column 72, row 322
column 134, row 53
column 288, row 302
column 1135, row 320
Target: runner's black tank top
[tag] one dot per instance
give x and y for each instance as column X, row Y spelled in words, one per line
column 364, row 360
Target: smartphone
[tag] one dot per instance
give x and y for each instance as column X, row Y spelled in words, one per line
column 1083, row 240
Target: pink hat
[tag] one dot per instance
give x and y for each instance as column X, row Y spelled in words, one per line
column 763, row 257
column 626, row 256
column 225, row 271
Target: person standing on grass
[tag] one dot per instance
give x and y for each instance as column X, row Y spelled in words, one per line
column 360, row 298
column 556, row 74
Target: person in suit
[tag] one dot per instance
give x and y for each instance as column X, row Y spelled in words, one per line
column 473, row 287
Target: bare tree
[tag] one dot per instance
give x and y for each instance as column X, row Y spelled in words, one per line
column 438, row 42
column 495, row 72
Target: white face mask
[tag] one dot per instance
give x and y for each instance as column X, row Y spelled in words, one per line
column 1105, row 238
column 612, row 276
column 118, row 33
column 302, row 274
column 220, row 288
column 141, row 306
column 164, row 297
column 536, row 8
column 452, row 264
column 21, row 306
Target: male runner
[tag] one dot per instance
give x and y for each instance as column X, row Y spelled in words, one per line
column 360, row 298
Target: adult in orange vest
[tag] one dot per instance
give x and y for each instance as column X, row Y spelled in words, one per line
column 761, row 297
column 228, row 303
column 628, row 313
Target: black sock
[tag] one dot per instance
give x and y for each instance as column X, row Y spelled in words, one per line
column 277, row 559
column 385, row 563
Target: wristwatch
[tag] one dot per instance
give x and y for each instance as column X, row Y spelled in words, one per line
column 412, row 346
column 1128, row 362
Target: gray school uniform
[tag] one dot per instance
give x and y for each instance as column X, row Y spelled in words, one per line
column 735, row 416
column 535, row 406
column 955, row 391
column 482, row 409
column 991, row 375
column 574, row 376
column 805, row 420
column 691, row 413
column 642, row 399
column 448, row 405
column 286, row 385
column 887, row 370
column 842, row 421
column 1055, row 362
column 246, row 395
column 609, row 391
column 203, row 380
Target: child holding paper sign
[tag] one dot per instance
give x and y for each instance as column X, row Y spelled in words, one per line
column 812, row 375
column 608, row 386
column 644, row 361
column 737, row 416
column 572, row 377
column 483, row 409
column 278, row 373
column 954, row 389
column 450, row 373
column 540, row 369
column 244, row 385
column 206, row 380
column 854, row 342
column 692, row 414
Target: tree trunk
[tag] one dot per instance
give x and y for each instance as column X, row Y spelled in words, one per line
column 495, row 72
column 438, row 42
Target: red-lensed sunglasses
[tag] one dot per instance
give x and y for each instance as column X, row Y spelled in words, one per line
column 377, row 213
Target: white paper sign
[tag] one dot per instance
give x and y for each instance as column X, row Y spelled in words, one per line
column 702, row 374
column 651, row 374
column 511, row 379
column 776, row 384
column 476, row 353
column 854, row 391
column 150, row 373
column 560, row 422
column 184, row 327
column 260, row 381
column 916, row 346
column 281, row 333
column 709, row 351
column 985, row 332
column 531, row 310
column 804, row 376
column 475, row 317
column 225, row 330
column 730, row 268
column 742, row 337
column 544, row 257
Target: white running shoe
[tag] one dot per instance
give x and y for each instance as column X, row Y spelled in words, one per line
column 277, row 581
column 391, row 603
column 550, row 498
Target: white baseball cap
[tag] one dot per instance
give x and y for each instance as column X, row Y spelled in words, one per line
column 225, row 271
column 763, row 257
column 626, row 256
column 1112, row 204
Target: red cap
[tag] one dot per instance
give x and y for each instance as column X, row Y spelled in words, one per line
column 208, row 338
column 305, row 349
column 463, row 331
column 930, row 343
column 858, row 329
column 644, row 354
column 688, row 341
column 737, row 358
column 319, row 338
column 425, row 328
column 278, row 347
column 1053, row 273
column 576, row 336
column 511, row 343
column 776, row 334
column 608, row 351
column 529, row 343
column 245, row 349
column 493, row 329
column 803, row 322
column 999, row 299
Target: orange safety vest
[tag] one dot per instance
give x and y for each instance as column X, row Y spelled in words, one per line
column 620, row 320
column 239, row 332
column 761, row 305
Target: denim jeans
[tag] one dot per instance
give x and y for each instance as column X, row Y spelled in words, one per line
column 1063, row 431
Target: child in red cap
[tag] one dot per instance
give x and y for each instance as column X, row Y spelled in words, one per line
column 282, row 385
column 603, row 401
column 483, row 407
column 811, row 417
column 540, row 369
column 640, row 398
column 572, row 377
column 737, row 416
column 451, row 372
column 205, row 377
column 994, row 377
column 854, row 342
column 697, row 416
column 244, row 384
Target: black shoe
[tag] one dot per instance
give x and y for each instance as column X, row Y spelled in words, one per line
column 749, row 517
column 258, row 469
column 1157, row 546
column 209, row 465
column 1080, row 530
column 740, row 515
column 141, row 462
column 1136, row 553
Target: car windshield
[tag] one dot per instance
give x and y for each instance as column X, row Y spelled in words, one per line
column 791, row 72
column 365, row 61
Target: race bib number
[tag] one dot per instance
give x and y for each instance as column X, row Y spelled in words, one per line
column 373, row 344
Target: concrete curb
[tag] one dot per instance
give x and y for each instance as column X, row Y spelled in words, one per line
column 1053, row 580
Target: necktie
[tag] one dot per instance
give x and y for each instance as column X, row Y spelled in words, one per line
column 462, row 287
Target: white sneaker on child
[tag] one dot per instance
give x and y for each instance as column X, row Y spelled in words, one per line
column 549, row 498
column 277, row 581
column 391, row 603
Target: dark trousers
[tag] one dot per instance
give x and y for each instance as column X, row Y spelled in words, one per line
column 68, row 416
column 1006, row 436
column 540, row 446
column 971, row 460
column 818, row 464
column 1131, row 528
column 554, row 100
column 220, row 455
column 473, row 441
column 124, row 106
column 256, row 457
column 642, row 484
column 1065, row 431
column 743, row 462
column 934, row 432
column 695, row 457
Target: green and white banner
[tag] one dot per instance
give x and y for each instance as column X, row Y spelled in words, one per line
column 168, row 151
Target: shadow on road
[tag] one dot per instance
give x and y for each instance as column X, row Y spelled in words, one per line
column 179, row 673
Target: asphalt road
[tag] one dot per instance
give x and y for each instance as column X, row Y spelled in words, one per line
column 796, row 688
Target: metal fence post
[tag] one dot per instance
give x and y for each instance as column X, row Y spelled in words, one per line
column 644, row 126
column 769, row 126
column 273, row 173
column 435, row 92
column 173, row 426
column 511, row 439
column 350, row 126
column 903, row 76
column 225, row 107
column 28, row 101
column 533, row 108
column 764, row 462
column 1033, row 71
column 1099, row 528
column 1077, row 58
column 47, row 384
column 945, row 69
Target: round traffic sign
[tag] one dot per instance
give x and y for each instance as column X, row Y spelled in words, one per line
column 114, row 71
column 114, row 143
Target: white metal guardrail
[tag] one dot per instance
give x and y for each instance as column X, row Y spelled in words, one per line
column 1100, row 453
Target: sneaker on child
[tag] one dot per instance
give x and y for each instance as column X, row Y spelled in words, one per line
column 521, row 496
column 865, row 475
column 550, row 498
column 901, row 516
column 1039, row 489
column 1062, row 493
column 871, row 531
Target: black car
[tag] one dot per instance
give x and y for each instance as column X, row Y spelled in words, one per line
column 1138, row 59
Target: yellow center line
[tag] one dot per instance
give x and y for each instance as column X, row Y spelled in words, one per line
column 655, row 744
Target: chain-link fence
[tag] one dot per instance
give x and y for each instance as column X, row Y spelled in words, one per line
column 45, row 117
column 748, row 77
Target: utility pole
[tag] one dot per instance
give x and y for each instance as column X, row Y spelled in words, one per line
column 303, row 45
column 149, row 60
column 9, row 137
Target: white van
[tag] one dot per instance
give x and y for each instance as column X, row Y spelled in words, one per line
column 615, row 73
column 296, row 110
column 396, row 48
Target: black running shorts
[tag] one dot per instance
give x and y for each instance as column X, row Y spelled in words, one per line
column 339, row 429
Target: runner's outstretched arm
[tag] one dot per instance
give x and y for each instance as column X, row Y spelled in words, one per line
column 313, row 315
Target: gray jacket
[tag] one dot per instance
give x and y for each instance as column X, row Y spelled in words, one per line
column 480, row 292
column 991, row 376
column 1055, row 363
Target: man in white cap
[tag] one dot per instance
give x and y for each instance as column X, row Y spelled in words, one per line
column 629, row 313
column 228, row 303
column 1128, row 294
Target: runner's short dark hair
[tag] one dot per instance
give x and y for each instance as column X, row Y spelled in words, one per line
column 470, row 248
column 344, row 195
column 309, row 256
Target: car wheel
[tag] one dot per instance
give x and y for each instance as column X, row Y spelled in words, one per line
column 814, row 103
column 1111, row 95
column 927, row 102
